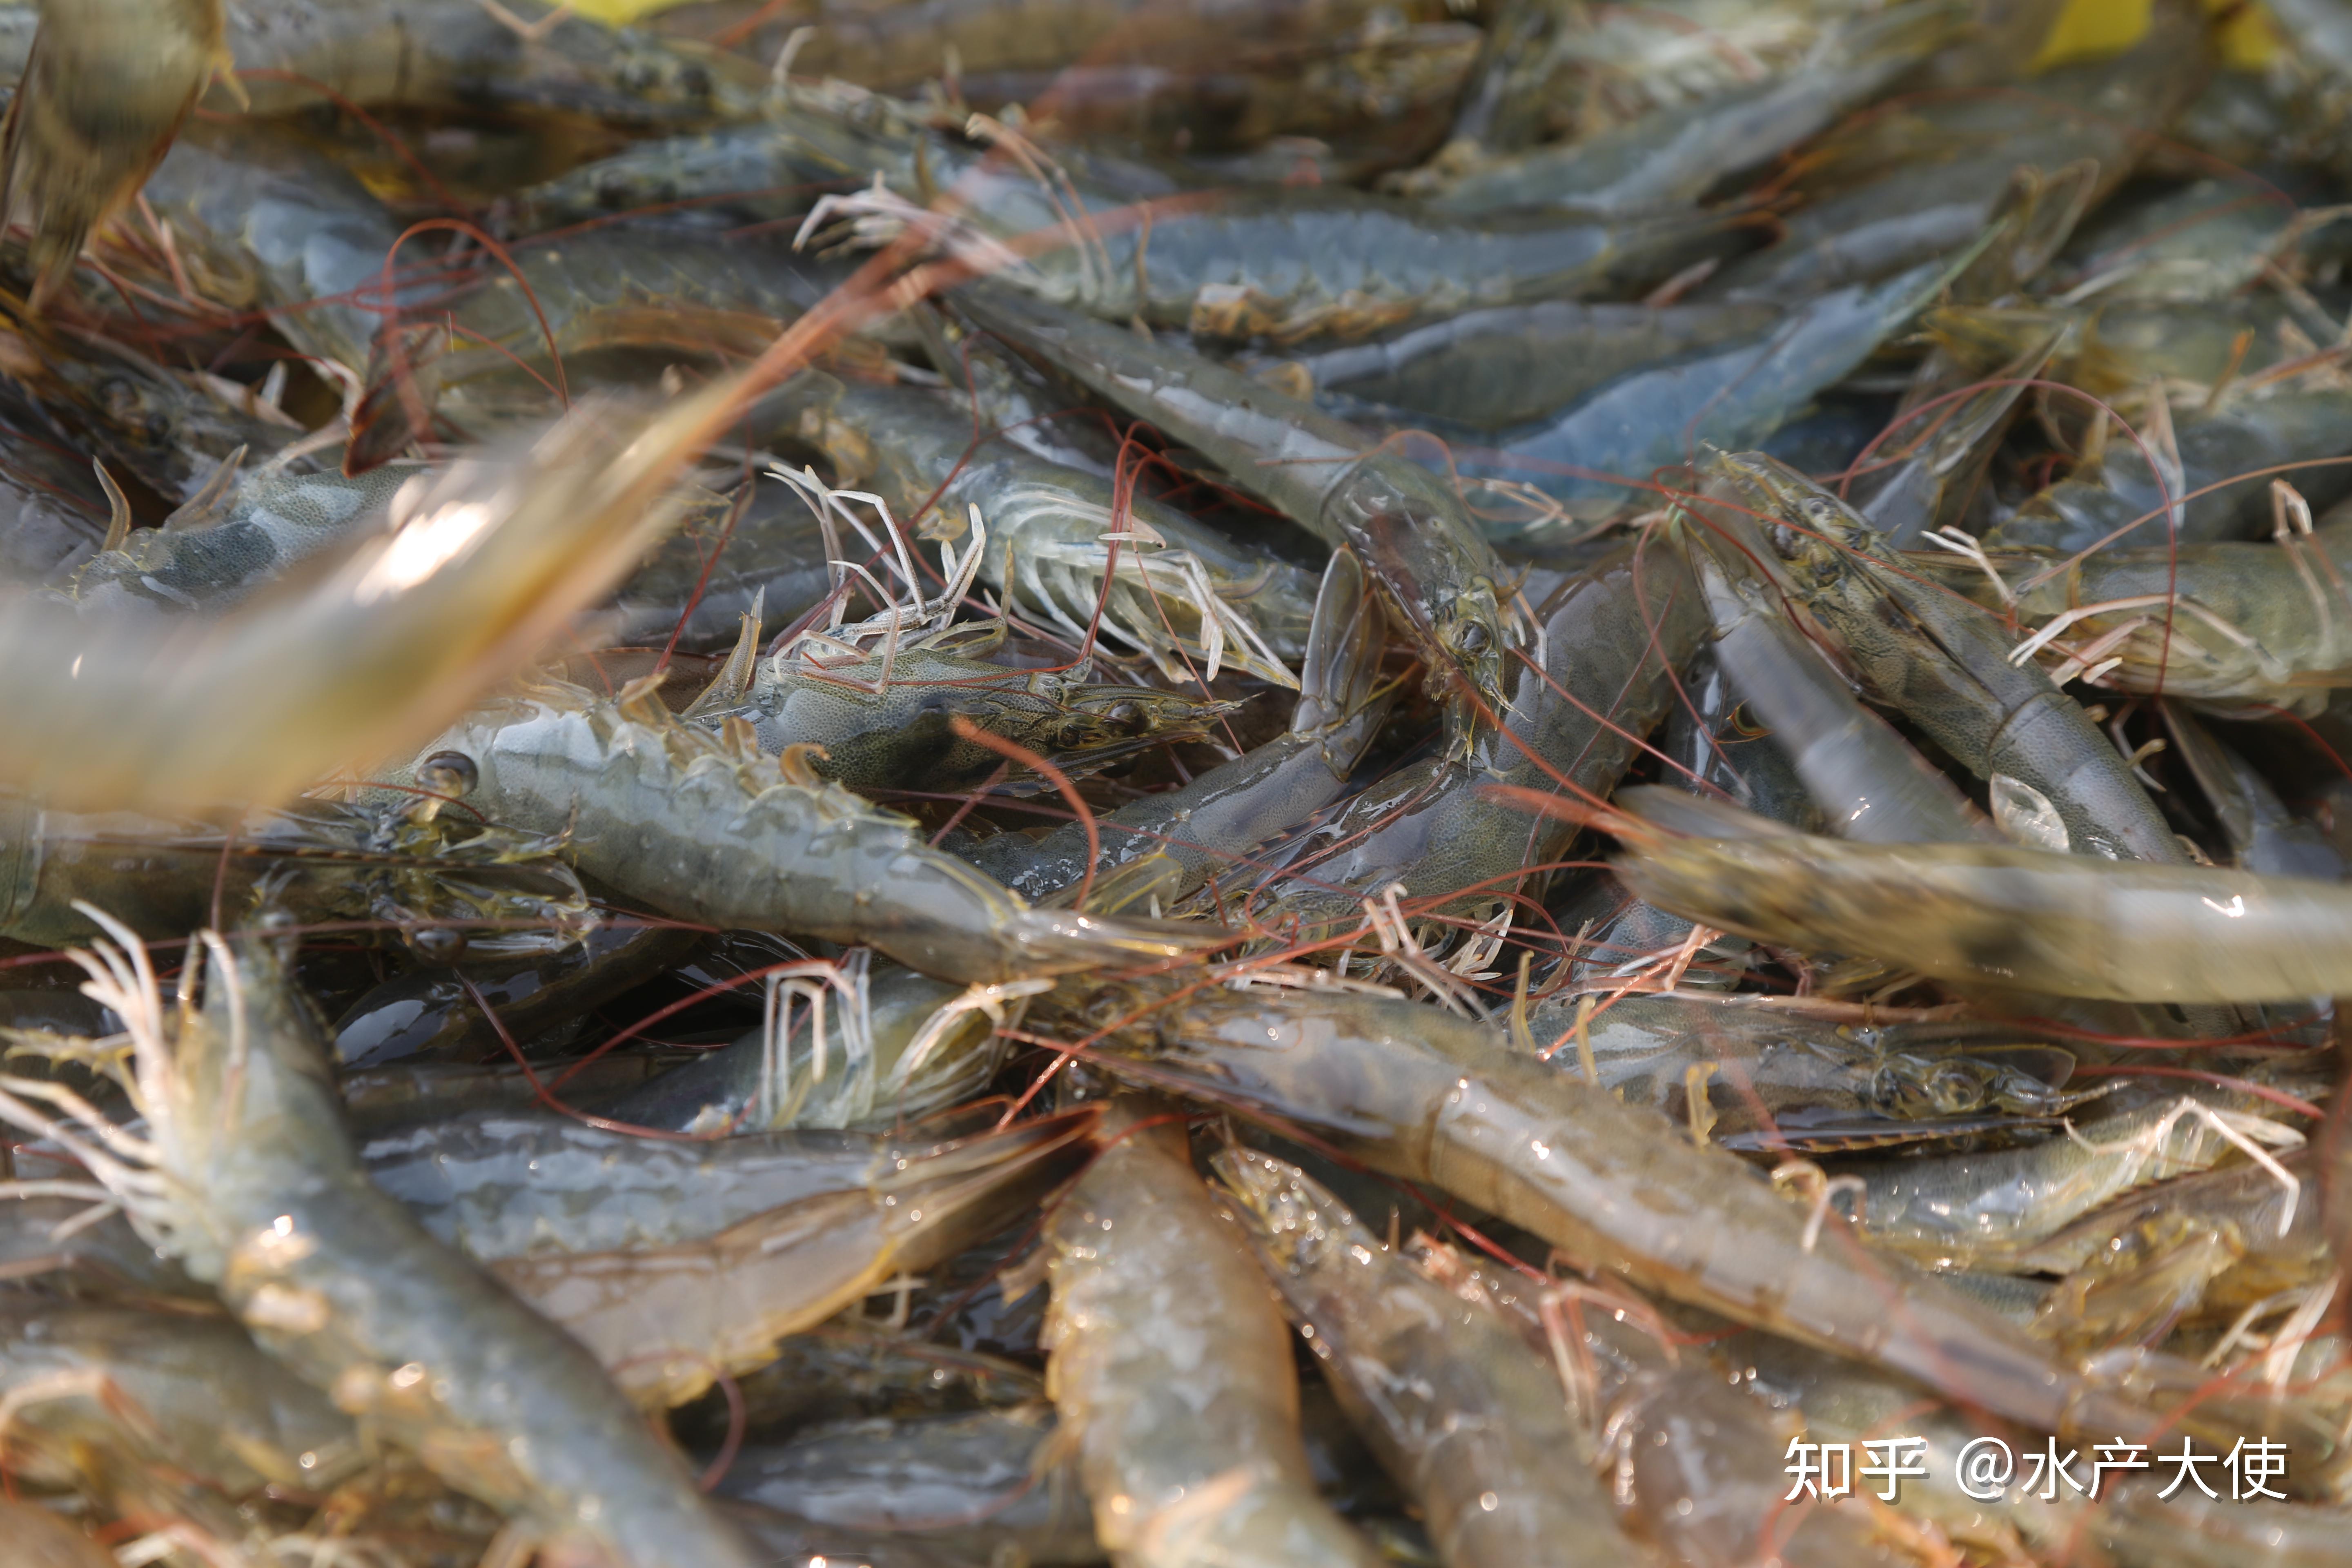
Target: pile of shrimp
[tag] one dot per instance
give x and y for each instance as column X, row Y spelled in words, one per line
column 954, row 785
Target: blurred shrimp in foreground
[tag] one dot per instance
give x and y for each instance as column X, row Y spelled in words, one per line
column 486, row 563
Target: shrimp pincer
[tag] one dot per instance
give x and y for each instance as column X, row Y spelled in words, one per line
column 2070, row 925
column 1440, row 1100
column 704, row 829
column 245, row 1174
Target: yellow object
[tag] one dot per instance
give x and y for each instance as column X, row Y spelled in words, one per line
column 621, row 13
column 2086, row 29
column 2246, row 38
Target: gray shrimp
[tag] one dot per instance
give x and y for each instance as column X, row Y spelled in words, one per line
column 703, row 828
column 987, row 1479
column 1455, row 1402
column 1946, row 665
column 1410, row 530
column 1432, row 1098
column 245, row 1174
column 2070, row 925
column 1184, row 835
column 235, row 539
column 1181, row 594
column 1170, row 1366
column 668, row 1320
column 1612, row 638
column 1675, row 155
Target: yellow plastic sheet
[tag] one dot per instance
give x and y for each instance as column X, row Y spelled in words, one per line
column 2086, row 29
column 621, row 13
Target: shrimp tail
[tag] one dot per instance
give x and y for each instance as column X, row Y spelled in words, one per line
column 1339, row 675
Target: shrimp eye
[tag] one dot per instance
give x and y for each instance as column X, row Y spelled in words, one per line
column 438, row 944
column 1128, row 717
column 1472, row 639
column 449, row 772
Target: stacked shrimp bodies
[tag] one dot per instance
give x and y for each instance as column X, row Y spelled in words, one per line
column 970, row 784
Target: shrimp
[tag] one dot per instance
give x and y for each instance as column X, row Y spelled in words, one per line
column 1917, row 179
column 759, row 546
column 668, row 1321
column 381, row 1100
column 1945, row 666
column 1769, row 1081
column 1412, row 532
column 2210, row 484
column 899, row 1048
column 1455, row 1402
column 1357, row 103
column 1561, row 73
column 1441, row 1099
column 1599, row 453
column 1187, row 835
column 889, row 719
column 489, row 561
column 1989, row 1210
column 894, row 48
column 170, row 430
column 1694, row 1464
column 105, row 87
column 480, row 347
column 1179, row 592
column 504, row 1184
column 1170, row 1369
column 2263, row 835
column 2279, row 1236
column 1673, row 157
column 857, row 1369
column 1843, row 1401
column 988, row 1479
column 311, row 862
column 1709, row 734
column 1612, row 638
column 261, row 221
column 1285, row 266
column 188, row 1393
column 430, row 1013
column 225, row 544
column 2247, row 622
column 2070, row 925
column 702, row 828
column 526, row 56
column 1493, row 369
column 1866, row 779
column 245, row 1176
